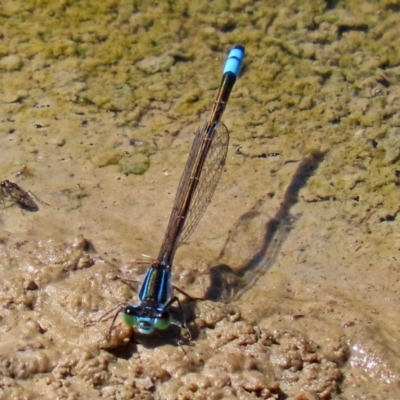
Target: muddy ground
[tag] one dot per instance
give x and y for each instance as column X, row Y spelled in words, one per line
column 297, row 254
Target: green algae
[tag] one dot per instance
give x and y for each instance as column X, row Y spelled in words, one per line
column 308, row 63
column 137, row 164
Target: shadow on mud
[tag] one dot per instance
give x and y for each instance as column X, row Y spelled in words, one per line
column 228, row 282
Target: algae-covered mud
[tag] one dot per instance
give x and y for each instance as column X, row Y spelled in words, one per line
column 297, row 257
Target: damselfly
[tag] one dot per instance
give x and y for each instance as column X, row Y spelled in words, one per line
column 196, row 188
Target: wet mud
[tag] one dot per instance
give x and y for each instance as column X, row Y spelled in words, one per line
column 296, row 258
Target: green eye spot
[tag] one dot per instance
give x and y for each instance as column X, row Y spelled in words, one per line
column 129, row 320
column 162, row 323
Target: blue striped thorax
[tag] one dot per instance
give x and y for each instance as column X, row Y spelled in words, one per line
column 152, row 313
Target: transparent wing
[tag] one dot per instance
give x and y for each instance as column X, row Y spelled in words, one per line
column 208, row 182
column 182, row 223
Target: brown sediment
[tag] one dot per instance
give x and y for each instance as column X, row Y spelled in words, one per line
column 99, row 103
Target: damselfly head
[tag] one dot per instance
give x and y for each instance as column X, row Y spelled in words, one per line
column 146, row 319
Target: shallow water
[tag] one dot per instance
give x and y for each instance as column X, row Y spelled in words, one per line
column 297, row 253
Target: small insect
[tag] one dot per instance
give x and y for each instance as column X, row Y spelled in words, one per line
column 348, row 324
column 17, row 195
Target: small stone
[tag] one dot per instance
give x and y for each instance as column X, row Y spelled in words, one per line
column 152, row 64
column 31, row 285
column 10, row 63
column 105, row 157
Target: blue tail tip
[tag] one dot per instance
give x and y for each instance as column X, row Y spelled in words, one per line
column 235, row 60
column 239, row 47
